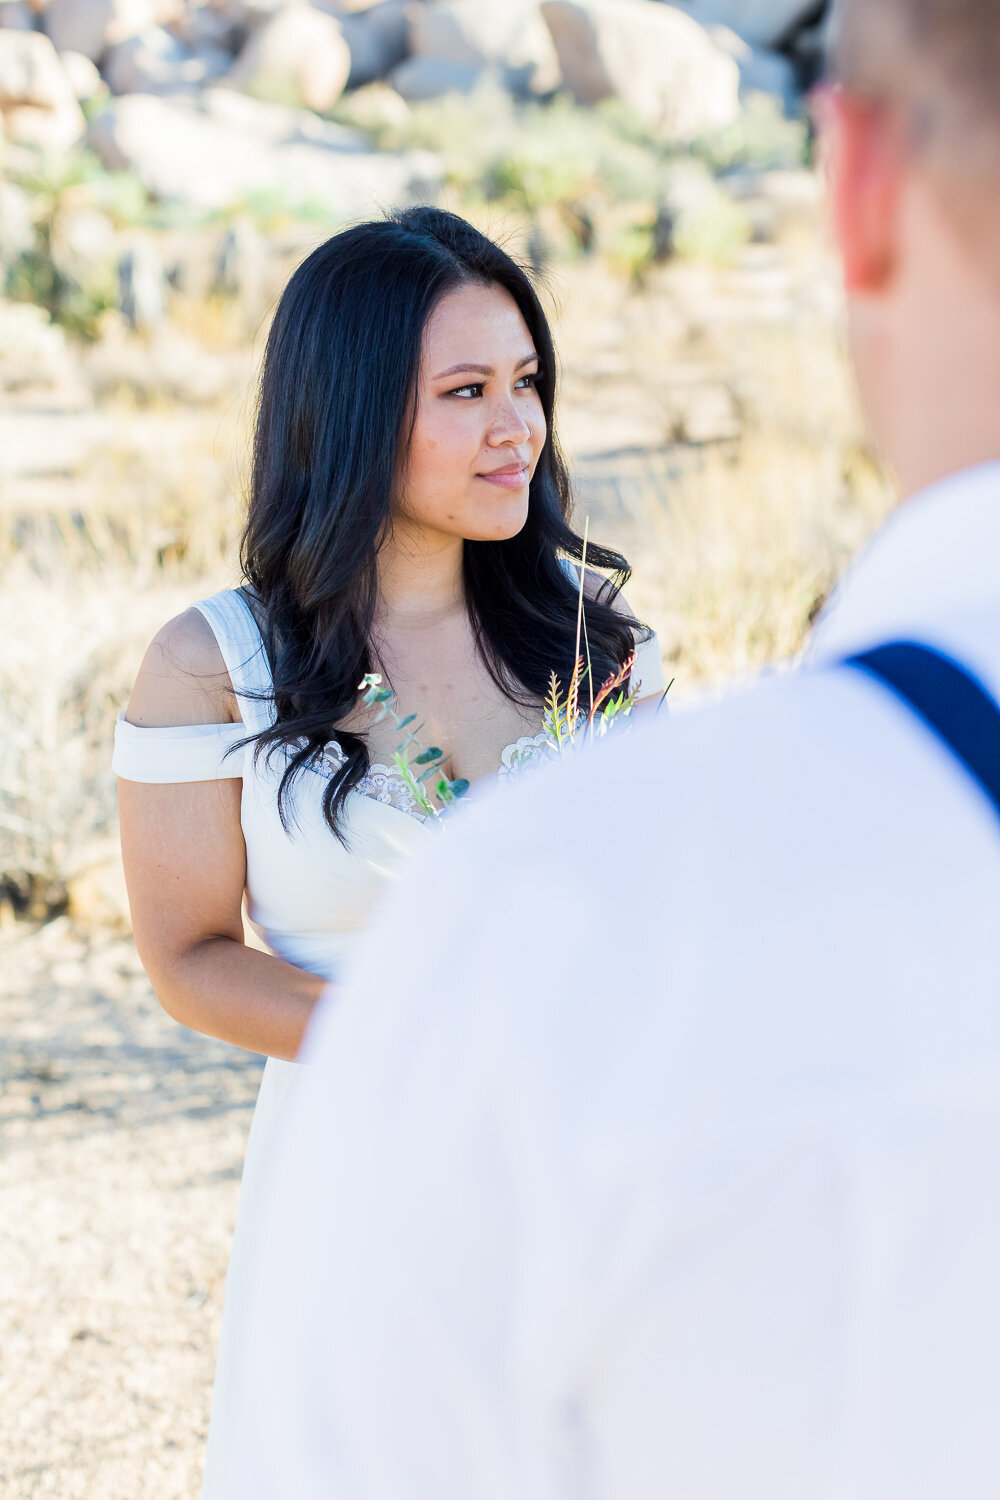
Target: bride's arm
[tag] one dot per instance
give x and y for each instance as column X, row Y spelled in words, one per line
column 185, row 867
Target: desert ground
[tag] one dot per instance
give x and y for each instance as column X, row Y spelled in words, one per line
column 123, row 1134
column 712, row 433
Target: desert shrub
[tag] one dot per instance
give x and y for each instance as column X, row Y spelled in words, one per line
column 763, row 136
column 77, row 208
column 706, row 224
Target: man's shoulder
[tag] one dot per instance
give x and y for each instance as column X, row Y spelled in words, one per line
column 778, row 738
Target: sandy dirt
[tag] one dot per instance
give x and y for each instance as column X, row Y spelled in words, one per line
column 121, row 1143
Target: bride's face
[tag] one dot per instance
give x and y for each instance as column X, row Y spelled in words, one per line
column 479, row 427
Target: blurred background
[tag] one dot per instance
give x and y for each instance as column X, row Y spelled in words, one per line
column 164, row 165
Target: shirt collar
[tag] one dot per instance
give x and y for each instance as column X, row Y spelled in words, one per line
column 937, row 557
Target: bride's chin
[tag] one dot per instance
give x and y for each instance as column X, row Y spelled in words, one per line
column 496, row 533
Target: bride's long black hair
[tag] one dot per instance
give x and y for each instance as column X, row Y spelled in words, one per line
column 336, row 406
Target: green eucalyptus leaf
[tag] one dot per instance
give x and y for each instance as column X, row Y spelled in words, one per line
column 426, row 756
column 408, row 720
column 459, row 787
column 384, row 695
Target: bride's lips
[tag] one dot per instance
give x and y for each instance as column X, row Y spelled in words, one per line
column 510, row 477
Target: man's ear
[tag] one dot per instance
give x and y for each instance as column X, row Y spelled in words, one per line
column 861, row 145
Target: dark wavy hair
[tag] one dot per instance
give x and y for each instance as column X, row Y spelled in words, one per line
column 336, row 406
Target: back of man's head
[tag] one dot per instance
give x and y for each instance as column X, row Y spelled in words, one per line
column 912, row 130
column 938, row 62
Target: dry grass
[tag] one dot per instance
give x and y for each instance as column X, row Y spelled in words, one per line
column 736, row 544
column 81, row 594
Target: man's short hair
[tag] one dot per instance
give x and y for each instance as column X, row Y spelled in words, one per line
column 940, row 53
column 939, row 61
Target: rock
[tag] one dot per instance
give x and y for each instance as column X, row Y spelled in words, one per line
column 241, row 267
column 141, row 287
column 89, row 26
column 166, row 365
column 183, row 155
column 378, row 40
column 300, row 56
column 84, row 76
column 37, row 103
column 761, row 71
column 246, row 15
column 511, row 37
column 15, row 16
column 762, row 23
column 378, row 107
column 655, row 58
column 82, row 243
column 771, row 73
column 33, row 352
column 278, row 124
column 98, row 900
column 420, row 78
column 201, row 26
column 158, row 63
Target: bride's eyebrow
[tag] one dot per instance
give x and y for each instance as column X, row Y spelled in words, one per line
column 487, row 370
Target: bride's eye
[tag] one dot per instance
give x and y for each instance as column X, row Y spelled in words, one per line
column 463, row 391
column 528, row 382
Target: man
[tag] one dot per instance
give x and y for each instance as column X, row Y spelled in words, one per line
column 654, row 1150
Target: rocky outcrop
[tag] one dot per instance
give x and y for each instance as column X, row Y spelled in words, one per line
column 655, row 58
column 511, row 40
column 186, row 152
column 90, row 26
column 157, row 62
column 37, row 102
column 763, row 23
column 300, row 56
column 377, row 39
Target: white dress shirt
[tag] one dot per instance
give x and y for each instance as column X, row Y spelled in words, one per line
column 653, row 1148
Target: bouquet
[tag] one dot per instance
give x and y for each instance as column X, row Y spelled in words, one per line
column 572, row 720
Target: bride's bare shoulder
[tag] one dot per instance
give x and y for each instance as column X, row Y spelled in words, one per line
column 183, row 678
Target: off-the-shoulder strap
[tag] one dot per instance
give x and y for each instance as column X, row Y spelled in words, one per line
column 182, row 752
column 235, row 629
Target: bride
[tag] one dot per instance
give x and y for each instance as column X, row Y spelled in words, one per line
column 408, row 515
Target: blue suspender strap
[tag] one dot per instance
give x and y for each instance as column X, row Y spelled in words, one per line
column 948, row 699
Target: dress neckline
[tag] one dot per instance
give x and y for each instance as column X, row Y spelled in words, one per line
column 511, row 756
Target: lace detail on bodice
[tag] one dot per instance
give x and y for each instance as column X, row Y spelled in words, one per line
column 529, row 750
column 381, row 783
column 384, row 784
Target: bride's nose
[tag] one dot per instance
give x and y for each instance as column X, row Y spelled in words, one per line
column 507, row 426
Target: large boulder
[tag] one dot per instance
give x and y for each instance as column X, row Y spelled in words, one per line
column 421, row 78
column 183, row 154
column 761, row 71
column 157, row 62
column 511, row 39
column 90, row 26
column 278, row 124
column 763, row 23
column 300, row 56
column 655, row 58
column 377, row 38
column 15, row 16
column 84, row 76
column 37, row 102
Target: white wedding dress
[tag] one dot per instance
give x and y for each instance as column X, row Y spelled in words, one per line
column 307, row 896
